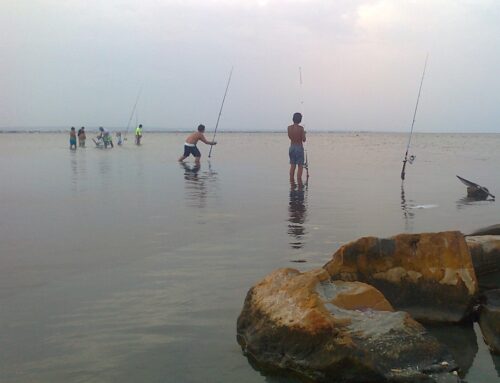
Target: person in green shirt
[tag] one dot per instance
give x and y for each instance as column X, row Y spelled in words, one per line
column 138, row 134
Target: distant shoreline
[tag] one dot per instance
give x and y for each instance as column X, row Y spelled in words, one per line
column 54, row 131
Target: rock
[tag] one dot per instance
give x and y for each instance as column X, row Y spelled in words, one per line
column 485, row 252
column 429, row 275
column 336, row 331
column 489, row 230
column 489, row 320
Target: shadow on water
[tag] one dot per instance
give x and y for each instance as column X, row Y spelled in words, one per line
column 199, row 185
column 297, row 212
column 496, row 362
column 464, row 202
column 272, row 375
column 461, row 341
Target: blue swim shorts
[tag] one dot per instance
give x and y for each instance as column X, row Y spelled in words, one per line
column 296, row 153
column 191, row 150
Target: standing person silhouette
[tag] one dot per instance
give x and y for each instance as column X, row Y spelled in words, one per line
column 297, row 136
column 138, row 134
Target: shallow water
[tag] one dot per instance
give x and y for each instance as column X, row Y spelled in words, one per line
column 122, row 265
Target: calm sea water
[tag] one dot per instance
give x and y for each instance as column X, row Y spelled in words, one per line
column 124, row 266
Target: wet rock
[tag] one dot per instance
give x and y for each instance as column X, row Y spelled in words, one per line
column 336, row 331
column 485, row 252
column 429, row 275
column 489, row 320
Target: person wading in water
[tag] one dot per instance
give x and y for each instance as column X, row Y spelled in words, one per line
column 297, row 136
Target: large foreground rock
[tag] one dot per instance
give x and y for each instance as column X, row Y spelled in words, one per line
column 485, row 252
column 336, row 332
column 430, row 275
column 489, row 320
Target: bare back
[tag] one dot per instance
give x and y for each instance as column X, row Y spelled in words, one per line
column 193, row 138
column 296, row 134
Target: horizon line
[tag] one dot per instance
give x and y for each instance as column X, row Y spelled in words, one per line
column 159, row 130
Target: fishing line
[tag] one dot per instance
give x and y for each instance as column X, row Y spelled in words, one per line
column 220, row 111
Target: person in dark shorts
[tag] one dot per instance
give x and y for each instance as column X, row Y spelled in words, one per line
column 297, row 136
column 190, row 144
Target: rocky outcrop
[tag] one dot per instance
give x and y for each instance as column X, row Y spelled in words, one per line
column 489, row 320
column 336, row 331
column 485, row 252
column 429, row 275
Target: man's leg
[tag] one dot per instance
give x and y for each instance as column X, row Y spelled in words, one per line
column 299, row 174
column 292, row 172
column 182, row 158
column 197, row 161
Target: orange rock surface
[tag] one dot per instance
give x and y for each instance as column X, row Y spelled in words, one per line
column 433, row 268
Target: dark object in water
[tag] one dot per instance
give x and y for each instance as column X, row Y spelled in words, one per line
column 298, row 260
column 476, row 191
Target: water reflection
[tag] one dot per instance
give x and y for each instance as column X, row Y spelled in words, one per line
column 78, row 171
column 104, row 164
column 199, row 185
column 297, row 211
column 408, row 213
column 74, row 171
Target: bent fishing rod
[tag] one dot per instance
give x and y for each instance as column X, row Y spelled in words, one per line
column 220, row 111
column 413, row 123
column 133, row 111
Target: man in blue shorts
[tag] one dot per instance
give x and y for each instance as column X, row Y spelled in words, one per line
column 297, row 136
column 190, row 144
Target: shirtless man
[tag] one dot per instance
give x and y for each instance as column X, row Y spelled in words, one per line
column 190, row 144
column 297, row 136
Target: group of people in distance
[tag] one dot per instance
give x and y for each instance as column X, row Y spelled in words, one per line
column 103, row 138
column 296, row 134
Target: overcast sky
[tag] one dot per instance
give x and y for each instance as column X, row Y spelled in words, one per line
column 82, row 62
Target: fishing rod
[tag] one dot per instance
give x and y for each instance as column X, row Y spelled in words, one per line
column 133, row 111
column 220, row 111
column 413, row 123
column 306, row 162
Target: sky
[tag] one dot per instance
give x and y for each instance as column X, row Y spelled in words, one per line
column 83, row 62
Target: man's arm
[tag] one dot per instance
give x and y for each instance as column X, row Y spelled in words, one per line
column 203, row 139
column 303, row 135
